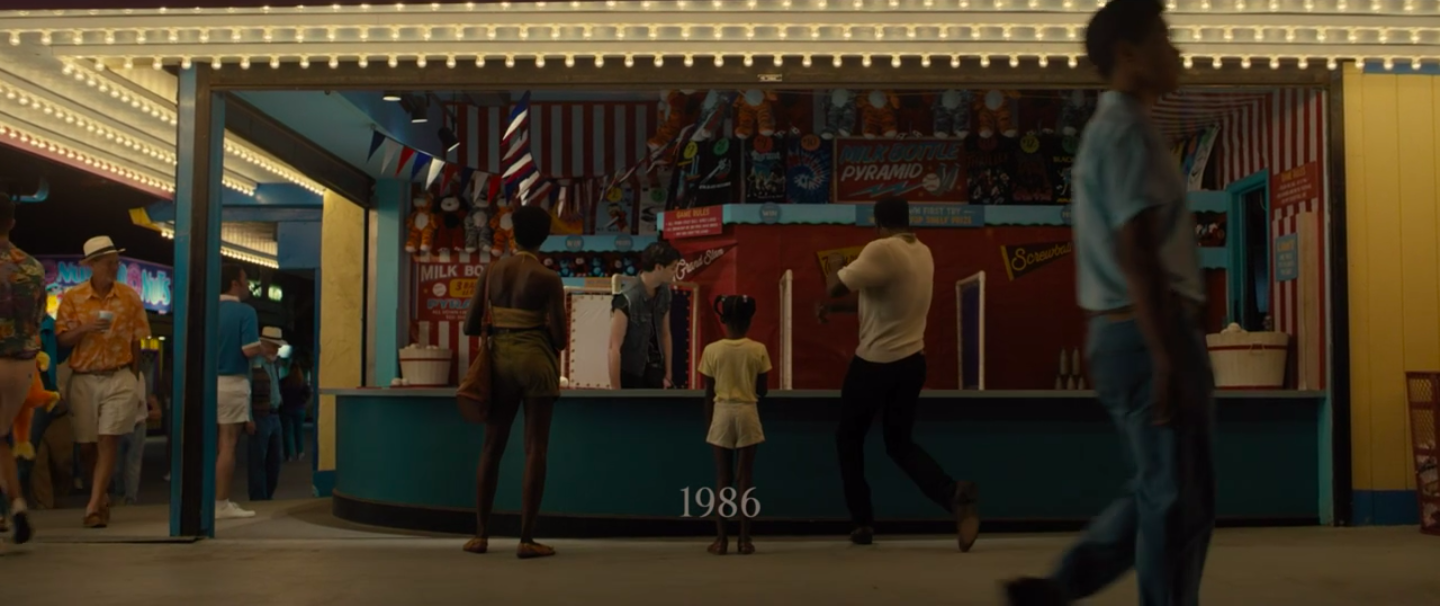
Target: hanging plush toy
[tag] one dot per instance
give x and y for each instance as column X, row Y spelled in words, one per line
column 1075, row 113
column 996, row 113
column 839, row 114
column 502, row 231
column 450, row 237
column 477, row 229
column 952, row 113
column 752, row 111
column 38, row 397
column 422, row 225
column 710, row 105
column 877, row 113
column 675, row 114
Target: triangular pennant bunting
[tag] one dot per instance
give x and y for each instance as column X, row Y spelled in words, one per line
column 405, row 154
column 422, row 161
column 376, row 140
column 391, row 148
column 436, row 167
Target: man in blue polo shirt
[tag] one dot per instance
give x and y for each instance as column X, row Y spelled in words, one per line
column 1139, row 280
column 238, row 342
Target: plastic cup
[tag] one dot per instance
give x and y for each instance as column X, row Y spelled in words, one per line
column 108, row 317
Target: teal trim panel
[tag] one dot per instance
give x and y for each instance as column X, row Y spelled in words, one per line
column 1035, row 458
column 392, row 196
column 1402, row 68
column 599, row 243
column 183, row 367
column 844, row 214
column 1386, row 508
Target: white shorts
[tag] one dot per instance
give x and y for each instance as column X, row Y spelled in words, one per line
column 103, row 404
column 735, row 426
column 232, row 399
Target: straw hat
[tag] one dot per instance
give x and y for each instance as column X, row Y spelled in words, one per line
column 274, row 335
column 97, row 247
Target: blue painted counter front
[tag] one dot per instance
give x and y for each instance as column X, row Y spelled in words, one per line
column 1038, row 456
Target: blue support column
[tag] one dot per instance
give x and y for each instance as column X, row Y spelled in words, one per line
column 196, row 296
column 391, row 196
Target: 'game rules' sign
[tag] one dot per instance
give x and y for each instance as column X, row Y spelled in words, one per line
column 919, row 170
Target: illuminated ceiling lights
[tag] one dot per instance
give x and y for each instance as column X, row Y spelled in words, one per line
column 123, row 169
column 136, row 175
column 234, row 252
column 89, row 72
column 1265, row 30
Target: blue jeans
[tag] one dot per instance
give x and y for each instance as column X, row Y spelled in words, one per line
column 292, row 423
column 130, row 458
column 1162, row 522
column 265, row 453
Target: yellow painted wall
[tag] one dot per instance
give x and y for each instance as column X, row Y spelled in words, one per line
column 1392, row 171
column 342, row 298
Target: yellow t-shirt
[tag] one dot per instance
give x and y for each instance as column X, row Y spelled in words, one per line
column 734, row 364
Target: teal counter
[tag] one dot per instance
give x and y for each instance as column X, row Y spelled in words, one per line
column 619, row 461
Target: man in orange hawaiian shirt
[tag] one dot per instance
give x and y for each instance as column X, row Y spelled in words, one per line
column 103, row 320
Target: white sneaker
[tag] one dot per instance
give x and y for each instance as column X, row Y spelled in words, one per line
column 228, row 510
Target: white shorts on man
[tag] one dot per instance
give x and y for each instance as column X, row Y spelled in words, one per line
column 232, row 399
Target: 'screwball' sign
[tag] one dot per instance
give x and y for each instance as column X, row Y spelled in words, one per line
column 1022, row 259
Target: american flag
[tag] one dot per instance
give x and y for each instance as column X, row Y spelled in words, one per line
column 520, row 176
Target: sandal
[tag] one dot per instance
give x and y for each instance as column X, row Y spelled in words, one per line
column 477, row 545
column 95, row 520
column 528, row 551
column 719, row 547
column 105, row 512
column 745, row 547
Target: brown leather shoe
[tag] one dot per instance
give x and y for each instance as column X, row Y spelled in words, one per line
column 863, row 535
column 967, row 514
column 95, row 520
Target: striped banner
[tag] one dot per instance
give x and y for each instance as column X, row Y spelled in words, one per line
column 1275, row 132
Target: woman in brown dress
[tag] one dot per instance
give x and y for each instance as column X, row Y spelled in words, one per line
column 528, row 329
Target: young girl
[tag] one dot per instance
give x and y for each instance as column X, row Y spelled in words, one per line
column 734, row 370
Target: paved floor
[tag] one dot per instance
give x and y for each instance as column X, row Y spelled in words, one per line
column 296, row 553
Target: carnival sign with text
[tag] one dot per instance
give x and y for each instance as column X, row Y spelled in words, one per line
column 150, row 280
column 919, row 170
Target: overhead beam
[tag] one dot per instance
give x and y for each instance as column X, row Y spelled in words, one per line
column 251, row 124
column 704, row 74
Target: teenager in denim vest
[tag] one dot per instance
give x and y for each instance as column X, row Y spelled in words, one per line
column 640, row 344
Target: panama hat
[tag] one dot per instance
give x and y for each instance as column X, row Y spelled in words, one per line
column 274, row 335
column 97, row 247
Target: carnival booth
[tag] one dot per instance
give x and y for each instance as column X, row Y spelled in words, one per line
column 760, row 191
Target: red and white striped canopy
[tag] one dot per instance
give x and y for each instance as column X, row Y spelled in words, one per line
column 1189, row 111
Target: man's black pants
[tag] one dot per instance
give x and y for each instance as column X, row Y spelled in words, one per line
column 892, row 389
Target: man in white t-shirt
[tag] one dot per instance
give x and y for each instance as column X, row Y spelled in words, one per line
column 894, row 276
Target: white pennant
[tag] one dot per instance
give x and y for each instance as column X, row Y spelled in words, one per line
column 436, row 166
column 391, row 148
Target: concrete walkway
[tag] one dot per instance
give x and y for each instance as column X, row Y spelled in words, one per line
column 295, row 553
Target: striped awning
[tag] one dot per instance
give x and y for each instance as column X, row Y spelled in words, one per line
column 1188, row 111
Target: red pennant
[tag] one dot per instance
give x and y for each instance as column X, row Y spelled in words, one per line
column 451, row 170
column 405, row 155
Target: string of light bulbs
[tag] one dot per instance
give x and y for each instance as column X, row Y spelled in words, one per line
column 1335, row 6
column 89, row 72
column 233, row 252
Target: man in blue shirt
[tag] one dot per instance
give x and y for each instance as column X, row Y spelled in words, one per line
column 238, row 341
column 1139, row 280
column 265, row 448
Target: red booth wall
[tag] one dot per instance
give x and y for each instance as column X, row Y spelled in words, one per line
column 1028, row 320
